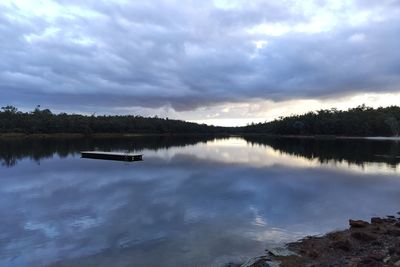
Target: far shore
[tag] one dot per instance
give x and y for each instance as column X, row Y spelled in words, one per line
column 96, row 135
column 383, row 138
column 118, row 135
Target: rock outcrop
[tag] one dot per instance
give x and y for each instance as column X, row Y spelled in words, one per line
column 375, row 243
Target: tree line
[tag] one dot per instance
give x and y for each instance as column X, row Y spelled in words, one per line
column 359, row 121
column 44, row 121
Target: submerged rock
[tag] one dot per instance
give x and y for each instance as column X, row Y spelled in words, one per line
column 281, row 251
column 260, row 261
column 376, row 220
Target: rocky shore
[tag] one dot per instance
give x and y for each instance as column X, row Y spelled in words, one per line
column 375, row 243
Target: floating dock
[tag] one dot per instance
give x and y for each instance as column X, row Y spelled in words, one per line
column 111, row 156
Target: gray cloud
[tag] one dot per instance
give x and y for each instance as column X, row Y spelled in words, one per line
column 187, row 55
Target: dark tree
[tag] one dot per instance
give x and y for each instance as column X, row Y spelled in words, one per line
column 359, row 121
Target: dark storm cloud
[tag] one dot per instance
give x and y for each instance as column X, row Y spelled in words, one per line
column 191, row 54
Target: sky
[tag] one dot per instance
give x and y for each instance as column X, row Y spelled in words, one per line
column 212, row 61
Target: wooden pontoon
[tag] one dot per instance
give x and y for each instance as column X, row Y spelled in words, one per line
column 111, row 156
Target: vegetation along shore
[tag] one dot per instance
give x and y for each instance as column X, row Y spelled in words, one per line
column 361, row 121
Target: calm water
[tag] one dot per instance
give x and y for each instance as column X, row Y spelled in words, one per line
column 191, row 202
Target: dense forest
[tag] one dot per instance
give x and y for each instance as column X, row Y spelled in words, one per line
column 44, row 121
column 359, row 121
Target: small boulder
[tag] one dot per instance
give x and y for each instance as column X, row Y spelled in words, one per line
column 378, row 255
column 376, row 220
column 358, row 223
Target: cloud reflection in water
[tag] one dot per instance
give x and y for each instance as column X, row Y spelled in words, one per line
column 203, row 204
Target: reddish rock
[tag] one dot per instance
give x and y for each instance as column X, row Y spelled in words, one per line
column 358, row 223
column 376, row 220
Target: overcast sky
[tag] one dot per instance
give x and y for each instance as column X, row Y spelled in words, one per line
column 222, row 62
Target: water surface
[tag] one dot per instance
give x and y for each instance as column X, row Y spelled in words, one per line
column 193, row 201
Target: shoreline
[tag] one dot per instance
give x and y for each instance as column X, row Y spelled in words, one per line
column 96, row 135
column 327, row 137
column 113, row 135
column 374, row 243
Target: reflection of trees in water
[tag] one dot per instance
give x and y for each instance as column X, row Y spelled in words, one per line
column 13, row 150
column 339, row 150
column 357, row 151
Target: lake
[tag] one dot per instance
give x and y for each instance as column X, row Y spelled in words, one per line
column 192, row 201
